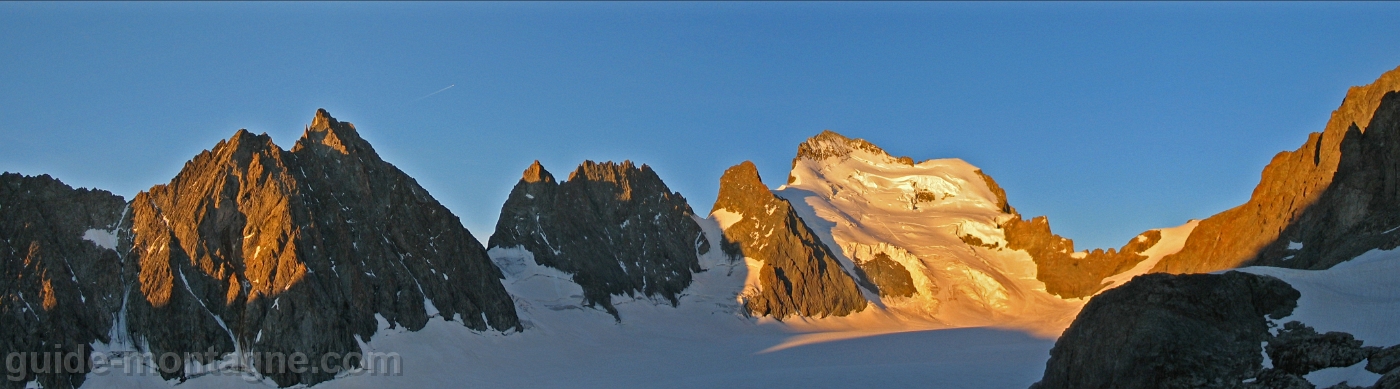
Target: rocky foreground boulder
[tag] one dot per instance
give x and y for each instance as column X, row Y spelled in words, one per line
column 1203, row 331
column 800, row 276
column 1170, row 331
column 60, row 276
column 616, row 228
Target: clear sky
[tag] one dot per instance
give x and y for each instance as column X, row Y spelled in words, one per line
column 1110, row 118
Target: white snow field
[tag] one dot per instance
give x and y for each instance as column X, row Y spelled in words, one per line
column 705, row 342
column 863, row 202
column 1358, row 297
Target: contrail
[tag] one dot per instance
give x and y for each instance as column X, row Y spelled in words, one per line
column 431, row 94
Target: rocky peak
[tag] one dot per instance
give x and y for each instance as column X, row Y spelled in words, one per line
column 616, row 228
column 799, row 275
column 60, row 277
column 536, row 173
column 251, row 245
column 327, row 134
column 829, row 144
column 739, row 183
column 323, row 120
column 1291, row 183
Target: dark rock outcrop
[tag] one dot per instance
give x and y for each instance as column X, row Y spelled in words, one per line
column 1294, row 182
column 1170, row 331
column 800, row 276
column 255, row 248
column 1390, row 380
column 890, row 277
column 1276, row 379
column 58, row 291
column 1384, row 360
column 616, row 228
column 1299, row 350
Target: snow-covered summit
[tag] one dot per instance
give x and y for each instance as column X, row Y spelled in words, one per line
column 941, row 220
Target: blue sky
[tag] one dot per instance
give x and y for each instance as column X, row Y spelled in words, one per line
column 1110, row 118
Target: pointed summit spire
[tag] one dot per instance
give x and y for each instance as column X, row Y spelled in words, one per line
column 536, row 173
column 323, row 120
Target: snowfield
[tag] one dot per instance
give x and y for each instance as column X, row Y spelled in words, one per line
column 1358, row 297
column 863, row 202
column 704, row 342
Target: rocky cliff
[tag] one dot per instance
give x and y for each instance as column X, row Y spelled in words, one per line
column 1360, row 209
column 254, row 248
column 60, row 278
column 616, row 228
column 799, row 275
column 1292, row 183
column 1065, row 272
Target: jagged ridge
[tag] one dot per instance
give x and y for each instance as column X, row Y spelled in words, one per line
column 255, row 248
column 616, row 228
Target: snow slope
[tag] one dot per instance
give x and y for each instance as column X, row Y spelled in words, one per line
column 861, row 201
column 705, row 342
column 1358, row 297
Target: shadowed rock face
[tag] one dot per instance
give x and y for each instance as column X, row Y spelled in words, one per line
column 1360, row 210
column 616, row 228
column 1170, row 331
column 800, row 275
column 890, row 277
column 58, row 291
column 1299, row 349
column 1291, row 184
column 255, row 248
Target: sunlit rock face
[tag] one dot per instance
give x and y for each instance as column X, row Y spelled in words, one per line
column 1065, row 272
column 797, row 274
column 1335, row 184
column 253, row 248
column 59, row 272
column 616, row 228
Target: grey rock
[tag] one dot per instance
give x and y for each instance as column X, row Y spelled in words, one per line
column 616, row 228
column 1170, row 331
column 1390, row 380
column 58, row 291
column 1384, row 360
column 1298, row 349
column 1279, row 379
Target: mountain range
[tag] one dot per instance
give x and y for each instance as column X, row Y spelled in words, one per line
column 327, row 249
